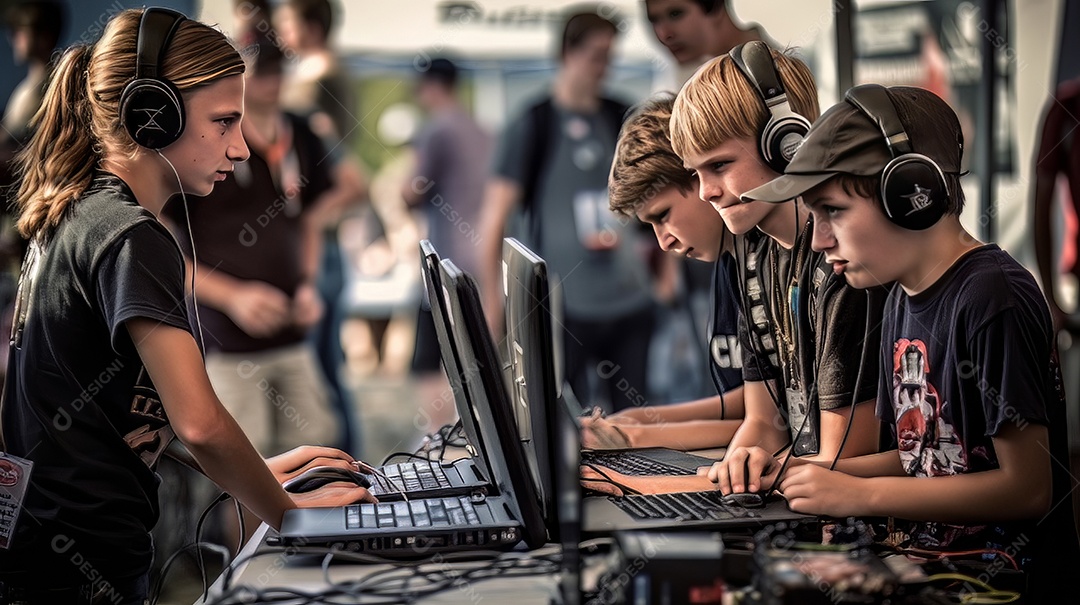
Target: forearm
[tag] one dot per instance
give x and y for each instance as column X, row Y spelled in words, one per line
column 350, row 187
column 500, row 198
column 229, row 460
column 311, row 245
column 983, row 497
column 199, row 420
column 1043, row 237
column 490, row 268
column 884, row 464
column 690, row 435
column 214, row 288
column 671, row 484
column 699, row 409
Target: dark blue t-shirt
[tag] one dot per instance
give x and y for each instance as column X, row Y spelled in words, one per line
column 725, row 350
column 961, row 360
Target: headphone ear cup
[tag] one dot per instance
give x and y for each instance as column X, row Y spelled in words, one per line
column 152, row 112
column 914, row 192
column 781, row 138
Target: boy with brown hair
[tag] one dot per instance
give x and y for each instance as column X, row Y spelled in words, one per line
column 970, row 382
column 648, row 182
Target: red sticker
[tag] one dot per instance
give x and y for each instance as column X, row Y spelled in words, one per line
column 9, row 473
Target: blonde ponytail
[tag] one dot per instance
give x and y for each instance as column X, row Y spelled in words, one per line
column 57, row 164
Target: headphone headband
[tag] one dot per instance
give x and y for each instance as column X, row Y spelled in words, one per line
column 914, row 192
column 156, row 29
column 782, row 134
column 873, row 101
column 755, row 62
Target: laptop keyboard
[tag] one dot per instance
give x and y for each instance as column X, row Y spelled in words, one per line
column 689, row 506
column 629, row 463
column 433, row 512
column 411, row 476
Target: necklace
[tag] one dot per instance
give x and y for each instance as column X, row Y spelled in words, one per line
column 783, row 298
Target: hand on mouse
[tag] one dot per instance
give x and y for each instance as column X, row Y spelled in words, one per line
column 299, row 459
column 744, row 469
column 811, row 489
column 338, row 493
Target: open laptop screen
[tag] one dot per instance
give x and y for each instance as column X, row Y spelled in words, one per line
column 532, row 362
column 487, row 395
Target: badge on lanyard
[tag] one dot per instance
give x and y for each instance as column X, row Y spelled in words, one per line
column 14, row 479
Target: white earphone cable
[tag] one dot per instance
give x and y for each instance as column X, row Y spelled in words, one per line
column 194, row 256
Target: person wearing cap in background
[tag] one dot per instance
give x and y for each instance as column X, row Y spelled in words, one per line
column 452, row 158
column 970, row 385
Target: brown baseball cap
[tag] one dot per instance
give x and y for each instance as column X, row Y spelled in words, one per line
column 845, row 141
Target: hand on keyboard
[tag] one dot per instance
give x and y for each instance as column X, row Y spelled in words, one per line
column 332, row 495
column 602, row 434
column 614, row 483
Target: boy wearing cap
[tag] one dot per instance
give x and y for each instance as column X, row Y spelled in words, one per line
column 648, row 182
column 809, row 347
column 970, row 383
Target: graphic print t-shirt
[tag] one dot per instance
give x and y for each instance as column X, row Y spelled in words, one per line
column 963, row 359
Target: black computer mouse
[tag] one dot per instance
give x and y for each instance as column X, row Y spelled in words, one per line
column 744, row 499
column 314, row 478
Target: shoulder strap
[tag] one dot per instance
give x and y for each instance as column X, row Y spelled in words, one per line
column 614, row 113
column 539, row 136
column 538, row 146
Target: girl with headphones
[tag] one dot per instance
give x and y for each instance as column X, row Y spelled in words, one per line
column 104, row 369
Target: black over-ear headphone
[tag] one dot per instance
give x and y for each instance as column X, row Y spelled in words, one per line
column 782, row 134
column 913, row 187
column 151, row 108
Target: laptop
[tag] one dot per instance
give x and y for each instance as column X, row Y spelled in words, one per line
column 533, row 353
column 507, row 515
column 530, row 334
column 433, row 478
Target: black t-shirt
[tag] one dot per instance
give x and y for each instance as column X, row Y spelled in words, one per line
column 969, row 355
column 78, row 393
column 249, row 228
column 836, row 333
column 725, row 351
